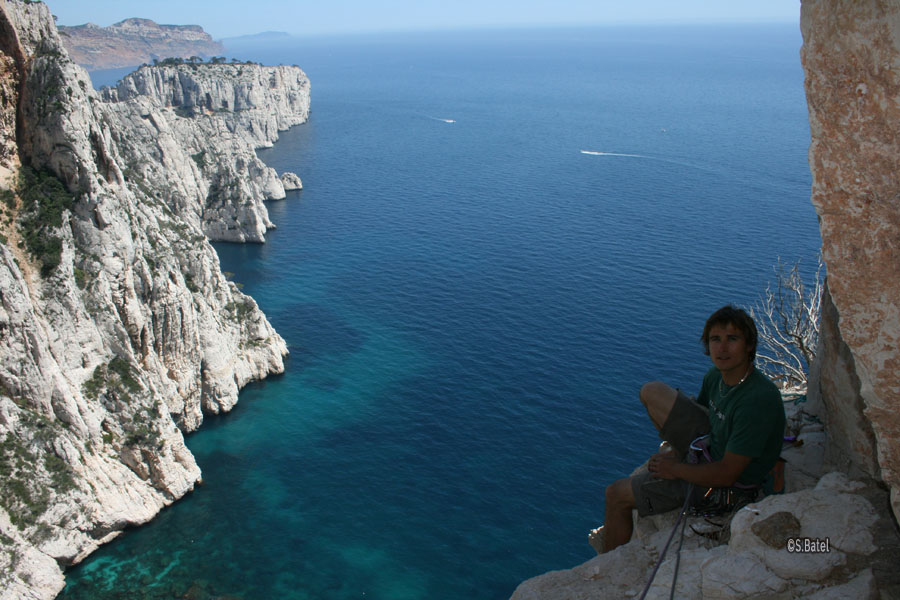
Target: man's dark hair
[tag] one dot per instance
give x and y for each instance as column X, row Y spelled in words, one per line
column 732, row 315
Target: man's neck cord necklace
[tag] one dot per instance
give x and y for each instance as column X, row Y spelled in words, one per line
column 723, row 392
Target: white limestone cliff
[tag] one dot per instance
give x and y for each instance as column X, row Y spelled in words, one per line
column 202, row 123
column 291, row 181
column 117, row 343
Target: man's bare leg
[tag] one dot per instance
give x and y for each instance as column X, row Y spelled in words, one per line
column 658, row 398
column 618, row 525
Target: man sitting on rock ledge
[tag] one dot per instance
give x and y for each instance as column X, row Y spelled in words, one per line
column 738, row 406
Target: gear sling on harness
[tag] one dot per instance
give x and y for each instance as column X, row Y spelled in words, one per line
column 712, row 501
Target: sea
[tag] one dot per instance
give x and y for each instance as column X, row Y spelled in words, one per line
column 502, row 235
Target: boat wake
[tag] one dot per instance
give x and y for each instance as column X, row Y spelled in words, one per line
column 443, row 120
column 656, row 158
column 592, row 153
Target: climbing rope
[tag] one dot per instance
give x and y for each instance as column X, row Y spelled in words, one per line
column 679, row 521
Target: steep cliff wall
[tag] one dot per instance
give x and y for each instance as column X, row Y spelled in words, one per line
column 202, row 123
column 851, row 55
column 118, row 331
column 135, row 41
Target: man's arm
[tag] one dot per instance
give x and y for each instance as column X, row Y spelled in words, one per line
column 722, row 473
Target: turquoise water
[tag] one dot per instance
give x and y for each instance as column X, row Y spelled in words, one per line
column 472, row 306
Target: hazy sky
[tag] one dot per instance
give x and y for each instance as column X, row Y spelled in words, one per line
column 224, row 18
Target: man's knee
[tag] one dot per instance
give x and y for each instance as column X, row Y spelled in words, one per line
column 619, row 494
column 658, row 398
column 655, row 392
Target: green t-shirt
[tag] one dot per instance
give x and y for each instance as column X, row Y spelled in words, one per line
column 747, row 419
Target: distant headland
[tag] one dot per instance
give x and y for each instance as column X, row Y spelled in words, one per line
column 135, row 41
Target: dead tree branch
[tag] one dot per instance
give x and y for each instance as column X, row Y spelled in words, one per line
column 787, row 317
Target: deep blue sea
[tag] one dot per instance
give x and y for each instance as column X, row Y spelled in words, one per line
column 472, row 303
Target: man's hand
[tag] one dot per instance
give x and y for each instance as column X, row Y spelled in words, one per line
column 721, row 473
column 661, row 465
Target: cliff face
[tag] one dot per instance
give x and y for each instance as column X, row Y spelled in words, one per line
column 135, row 41
column 118, row 331
column 851, row 55
column 202, row 123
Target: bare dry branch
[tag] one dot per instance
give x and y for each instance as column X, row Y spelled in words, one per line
column 787, row 317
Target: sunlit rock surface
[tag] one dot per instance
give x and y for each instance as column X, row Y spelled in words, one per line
column 851, row 56
column 122, row 332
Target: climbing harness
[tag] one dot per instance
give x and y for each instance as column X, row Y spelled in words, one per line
column 716, row 501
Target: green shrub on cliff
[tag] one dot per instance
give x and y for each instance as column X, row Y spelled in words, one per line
column 121, row 368
column 23, row 494
column 238, row 311
column 8, row 199
column 44, row 198
column 96, row 384
column 116, row 384
column 200, row 158
column 117, row 375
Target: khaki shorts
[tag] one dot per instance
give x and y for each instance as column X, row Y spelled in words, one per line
column 686, row 422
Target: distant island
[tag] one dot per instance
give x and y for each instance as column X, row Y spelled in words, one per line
column 133, row 42
column 263, row 36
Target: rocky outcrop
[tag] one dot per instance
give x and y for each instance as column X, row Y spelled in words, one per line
column 757, row 562
column 135, row 41
column 827, row 538
column 118, row 330
column 291, row 182
column 851, row 442
column 851, row 55
column 201, row 123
